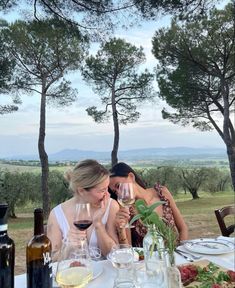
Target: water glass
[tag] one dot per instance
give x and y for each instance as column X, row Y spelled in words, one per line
column 122, row 258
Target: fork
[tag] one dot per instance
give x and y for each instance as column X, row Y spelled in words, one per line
column 195, row 257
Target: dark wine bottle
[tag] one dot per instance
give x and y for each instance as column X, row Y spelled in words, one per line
column 7, row 252
column 38, row 256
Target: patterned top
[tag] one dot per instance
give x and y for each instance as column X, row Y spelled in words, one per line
column 138, row 233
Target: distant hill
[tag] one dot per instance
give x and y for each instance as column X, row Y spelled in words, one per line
column 130, row 155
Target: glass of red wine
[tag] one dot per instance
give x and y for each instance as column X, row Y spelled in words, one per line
column 83, row 219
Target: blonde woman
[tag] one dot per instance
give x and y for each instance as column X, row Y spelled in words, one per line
column 89, row 182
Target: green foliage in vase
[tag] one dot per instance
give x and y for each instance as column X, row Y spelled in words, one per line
column 150, row 218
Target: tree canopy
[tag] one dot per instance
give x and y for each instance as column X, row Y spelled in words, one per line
column 105, row 14
column 196, row 74
column 7, row 65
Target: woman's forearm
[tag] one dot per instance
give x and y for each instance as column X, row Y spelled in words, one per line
column 105, row 242
column 124, row 235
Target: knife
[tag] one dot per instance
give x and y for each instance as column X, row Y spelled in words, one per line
column 211, row 246
column 184, row 256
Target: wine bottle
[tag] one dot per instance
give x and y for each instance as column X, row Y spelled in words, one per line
column 38, row 256
column 7, row 252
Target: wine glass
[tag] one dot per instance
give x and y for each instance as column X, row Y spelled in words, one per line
column 122, row 258
column 83, row 219
column 126, row 197
column 74, row 268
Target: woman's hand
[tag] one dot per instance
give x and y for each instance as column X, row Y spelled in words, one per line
column 122, row 217
column 97, row 216
column 75, row 235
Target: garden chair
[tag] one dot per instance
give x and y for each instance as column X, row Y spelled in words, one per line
column 226, row 230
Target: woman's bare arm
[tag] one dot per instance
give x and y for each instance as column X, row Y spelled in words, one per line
column 106, row 234
column 54, row 234
column 179, row 220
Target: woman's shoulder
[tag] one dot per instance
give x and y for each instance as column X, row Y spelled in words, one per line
column 64, row 207
column 162, row 190
column 114, row 204
column 166, row 193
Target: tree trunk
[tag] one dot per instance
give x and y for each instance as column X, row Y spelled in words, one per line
column 12, row 211
column 43, row 155
column 194, row 193
column 231, row 159
column 228, row 130
column 114, row 158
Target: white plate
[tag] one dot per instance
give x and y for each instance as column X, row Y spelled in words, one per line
column 97, row 269
column 209, row 246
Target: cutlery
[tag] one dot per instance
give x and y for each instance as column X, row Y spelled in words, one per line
column 195, row 257
column 190, row 259
column 210, row 246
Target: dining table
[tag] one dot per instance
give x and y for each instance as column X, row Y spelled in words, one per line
column 107, row 273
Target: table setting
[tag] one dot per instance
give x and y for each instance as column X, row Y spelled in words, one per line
column 222, row 253
column 104, row 273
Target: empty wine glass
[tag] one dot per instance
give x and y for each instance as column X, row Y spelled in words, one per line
column 126, row 197
column 74, row 268
column 122, row 258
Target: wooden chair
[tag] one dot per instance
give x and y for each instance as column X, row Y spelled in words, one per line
column 220, row 215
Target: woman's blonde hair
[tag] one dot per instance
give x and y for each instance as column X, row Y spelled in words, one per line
column 86, row 174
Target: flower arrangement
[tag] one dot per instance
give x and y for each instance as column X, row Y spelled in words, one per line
column 150, row 218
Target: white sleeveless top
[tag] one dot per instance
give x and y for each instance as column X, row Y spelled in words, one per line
column 64, row 225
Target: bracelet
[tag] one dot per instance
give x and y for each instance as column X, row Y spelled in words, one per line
column 120, row 230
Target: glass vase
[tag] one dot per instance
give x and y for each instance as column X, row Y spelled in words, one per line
column 154, row 258
column 173, row 273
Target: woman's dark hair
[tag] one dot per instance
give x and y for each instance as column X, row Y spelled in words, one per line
column 121, row 169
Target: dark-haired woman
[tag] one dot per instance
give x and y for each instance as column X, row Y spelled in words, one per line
column 122, row 172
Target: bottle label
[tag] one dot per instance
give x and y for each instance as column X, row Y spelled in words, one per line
column 3, row 227
column 46, row 258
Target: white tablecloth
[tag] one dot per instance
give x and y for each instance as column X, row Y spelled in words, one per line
column 106, row 279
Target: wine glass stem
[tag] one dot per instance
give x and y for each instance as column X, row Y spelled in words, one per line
column 83, row 241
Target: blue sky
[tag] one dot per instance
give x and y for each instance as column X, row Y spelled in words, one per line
column 70, row 127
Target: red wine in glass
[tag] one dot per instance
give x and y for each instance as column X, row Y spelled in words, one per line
column 83, row 219
column 82, row 224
